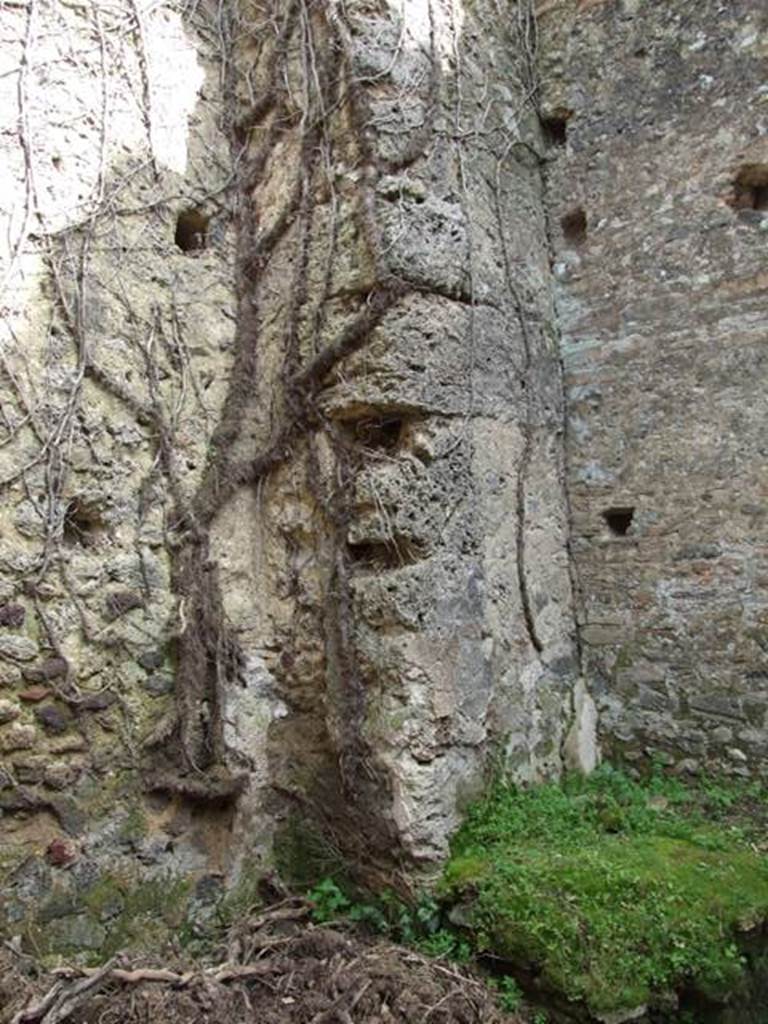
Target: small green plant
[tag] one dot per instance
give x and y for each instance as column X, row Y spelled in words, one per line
column 414, row 924
column 445, row 945
column 540, row 1017
column 510, row 997
column 371, row 915
column 328, row 901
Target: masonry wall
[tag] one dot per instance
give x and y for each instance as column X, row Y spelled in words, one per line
column 284, row 556
column 115, row 345
column 658, row 209
column 284, row 529
column 408, row 602
column 284, row 561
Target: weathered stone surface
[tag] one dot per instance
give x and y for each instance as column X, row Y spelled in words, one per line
column 61, row 774
column 33, row 694
column 17, row 648
column 12, row 615
column 87, row 512
column 60, row 852
column 661, row 300
column 51, row 668
column 150, row 659
column 96, row 701
column 71, row 816
column 120, row 602
column 29, row 769
column 158, row 685
column 67, row 744
column 17, row 737
column 8, row 711
column 10, row 675
column 286, row 492
column 54, row 718
column 400, row 594
column 408, row 593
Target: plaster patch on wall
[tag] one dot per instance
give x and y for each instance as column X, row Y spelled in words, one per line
column 580, row 750
column 76, row 109
column 448, row 19
column 250, row 710
column 176, row 78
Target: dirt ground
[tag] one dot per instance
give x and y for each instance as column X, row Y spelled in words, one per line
column 279, row 969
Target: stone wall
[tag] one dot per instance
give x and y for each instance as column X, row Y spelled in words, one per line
column 284, row 539
column 284, row 555
column 657, row 200
column 115, row 345
column 408, row 600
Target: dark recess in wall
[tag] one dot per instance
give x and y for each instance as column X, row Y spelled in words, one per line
column 619, row 520
column 574, row 225
column 81, row 525
column 392, row 553
column 750, row 188
column 191, row 230
column 555, row 126
column 380, row 433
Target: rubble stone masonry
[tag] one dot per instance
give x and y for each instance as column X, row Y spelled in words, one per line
column 659, row 213
column 381, row 399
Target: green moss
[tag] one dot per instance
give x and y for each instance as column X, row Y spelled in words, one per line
column 613, row 889
column 149, row 913
column 99, row 797
column 106, row 897
column 134, row 826
column 10, row 858
column 624, row 658
column 116, row 912
column 243, row 898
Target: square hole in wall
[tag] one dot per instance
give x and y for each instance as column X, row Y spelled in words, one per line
column 574, row 226
column 82, row 525
column 619, row 519
column 376, row 433
column 191, row 230
column 750, row 188
column 555, row 126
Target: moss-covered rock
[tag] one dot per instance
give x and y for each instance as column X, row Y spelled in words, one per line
column 612, row 893
column 112, row 911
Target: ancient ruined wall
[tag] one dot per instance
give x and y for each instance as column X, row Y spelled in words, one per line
column 406, row 600
column 284, row 533
column 114, row 351
column 284, row 530
column 658, row 204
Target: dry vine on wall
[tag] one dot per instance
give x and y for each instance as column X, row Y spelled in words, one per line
column 307, row 90
column 103, row 386
column 292, row 83
column 312, row 88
